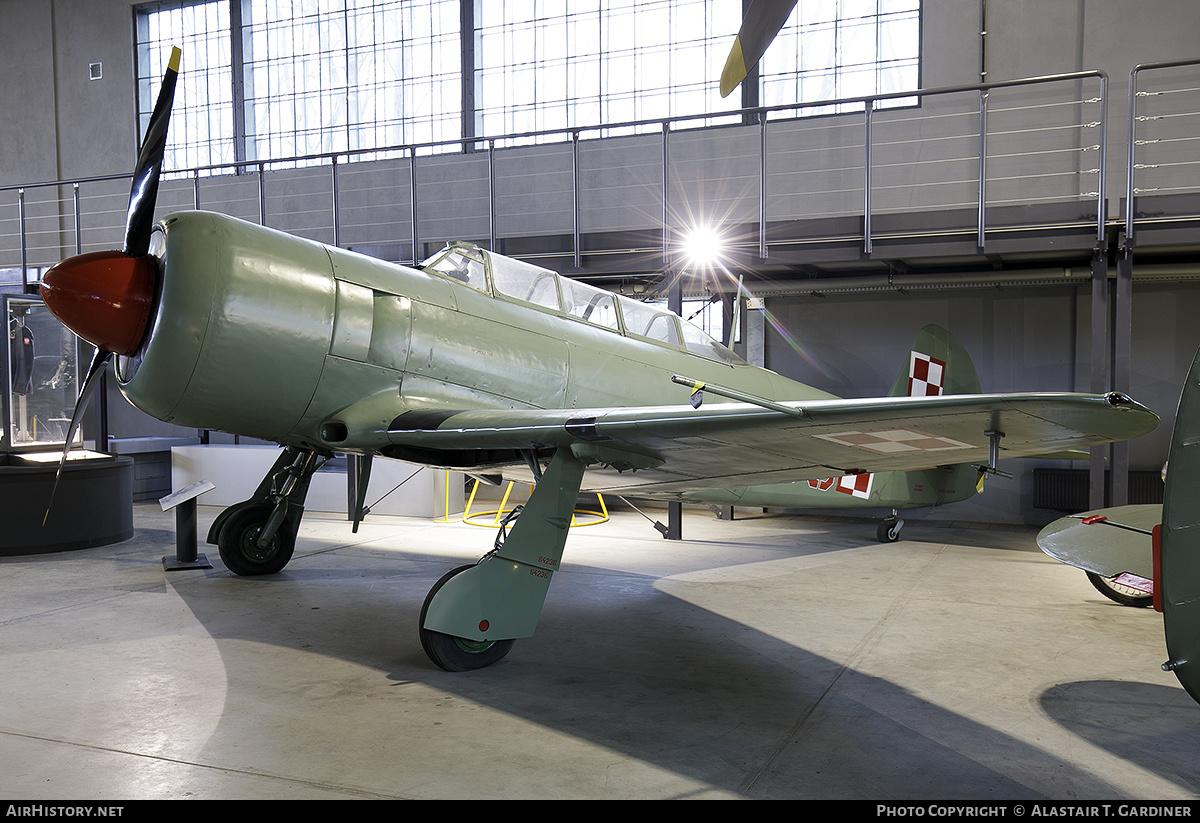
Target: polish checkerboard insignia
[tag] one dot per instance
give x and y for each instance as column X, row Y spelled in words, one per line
column 856, row 485
column 894, row 441
column 926, row 375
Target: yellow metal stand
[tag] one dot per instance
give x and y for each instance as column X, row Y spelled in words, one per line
column 445, row 518
column 595, row 517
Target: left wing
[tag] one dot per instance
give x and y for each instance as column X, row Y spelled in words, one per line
column 673, row 448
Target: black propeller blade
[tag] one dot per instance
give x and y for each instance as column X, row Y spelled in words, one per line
column 95, row 371
column 140, row 218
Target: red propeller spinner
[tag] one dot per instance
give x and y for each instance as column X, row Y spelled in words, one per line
column 105, row 297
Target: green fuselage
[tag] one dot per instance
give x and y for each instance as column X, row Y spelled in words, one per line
column 886, row 490
column 331, row 346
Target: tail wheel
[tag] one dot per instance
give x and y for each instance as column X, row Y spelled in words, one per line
column 239, row 545
column 458, row 654
column 888, row 531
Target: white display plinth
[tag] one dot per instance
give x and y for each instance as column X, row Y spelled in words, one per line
column 236, row 472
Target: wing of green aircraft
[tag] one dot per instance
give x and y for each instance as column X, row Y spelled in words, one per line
column 728, row 444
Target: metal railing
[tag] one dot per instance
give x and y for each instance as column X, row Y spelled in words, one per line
column 969, row 150
column 1174, row 161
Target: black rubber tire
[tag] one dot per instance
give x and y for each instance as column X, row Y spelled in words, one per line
column 888, row 531
column 1125, row 595
column 457, row 654
column 238, row 543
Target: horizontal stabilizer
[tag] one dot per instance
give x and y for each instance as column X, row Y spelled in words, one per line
column 1107, row 542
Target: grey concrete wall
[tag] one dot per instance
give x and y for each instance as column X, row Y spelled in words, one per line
column 58, row 123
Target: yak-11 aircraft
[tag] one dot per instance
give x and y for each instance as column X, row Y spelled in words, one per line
column 475, row 361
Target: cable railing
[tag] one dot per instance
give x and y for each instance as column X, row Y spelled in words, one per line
column 1163, row 162
column 981, row 157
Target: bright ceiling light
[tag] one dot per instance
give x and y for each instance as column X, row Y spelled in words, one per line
column 703, row 246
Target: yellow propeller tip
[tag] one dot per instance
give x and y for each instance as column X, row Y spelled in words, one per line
column 173, row 63
column 735, row 69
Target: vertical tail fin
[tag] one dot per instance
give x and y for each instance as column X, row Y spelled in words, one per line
column 936, row 364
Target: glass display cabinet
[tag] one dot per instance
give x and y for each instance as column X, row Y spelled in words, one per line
column 91, row 502
column 41, row 378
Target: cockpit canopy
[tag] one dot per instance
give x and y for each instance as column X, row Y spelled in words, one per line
column 498, row 275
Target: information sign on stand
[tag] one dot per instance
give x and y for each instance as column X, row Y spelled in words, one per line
column 184, row 503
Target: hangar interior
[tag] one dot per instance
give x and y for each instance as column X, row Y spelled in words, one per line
column 1032, row 186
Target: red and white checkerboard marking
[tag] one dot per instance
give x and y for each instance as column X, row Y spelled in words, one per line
column 926, row 378
column 893, row 441
column 926, row 375
column 856, row 485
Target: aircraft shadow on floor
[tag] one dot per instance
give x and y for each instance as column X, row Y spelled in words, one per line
column 622, row 664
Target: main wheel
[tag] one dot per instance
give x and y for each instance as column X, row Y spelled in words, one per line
column 888, row 531
column 238, row 543
column 458, row 654
column 1119, row 592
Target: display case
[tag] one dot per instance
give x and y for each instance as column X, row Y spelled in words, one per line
column 41, row 378
column 90, row 501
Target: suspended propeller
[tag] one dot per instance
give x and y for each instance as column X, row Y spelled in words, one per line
column 107, row 298
column 762, row 22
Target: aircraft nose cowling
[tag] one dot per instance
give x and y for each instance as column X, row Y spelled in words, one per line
column 105, row 297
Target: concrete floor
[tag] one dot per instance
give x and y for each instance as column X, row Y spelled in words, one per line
column 773, row 657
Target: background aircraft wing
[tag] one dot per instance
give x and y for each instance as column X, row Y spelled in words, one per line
column 729, row 444
column 1107, row 542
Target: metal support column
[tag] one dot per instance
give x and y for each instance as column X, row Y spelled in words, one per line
column 675, row 510
column 1122, row 335
column 1097, row 498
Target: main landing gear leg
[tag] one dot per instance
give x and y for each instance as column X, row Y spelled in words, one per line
column 473, row 614
column 258, row 536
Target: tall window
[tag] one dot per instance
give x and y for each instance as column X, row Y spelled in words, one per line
column 315, row 77
column 833, row 49
column 270, row 79
column 548, row 64
column 202, row 130
column 334, row 75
